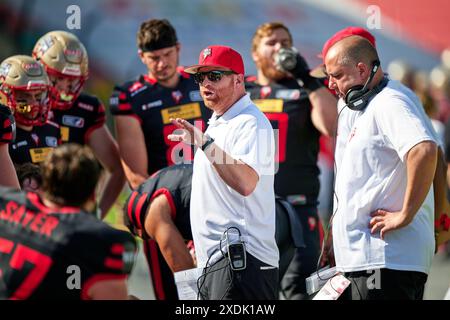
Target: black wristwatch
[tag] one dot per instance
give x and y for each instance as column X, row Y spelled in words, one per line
column 208, row 142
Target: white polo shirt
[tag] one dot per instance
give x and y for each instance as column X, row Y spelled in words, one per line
column 371, row 175
column 245, row 134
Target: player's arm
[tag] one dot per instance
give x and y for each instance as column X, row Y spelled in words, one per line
column 441, row 204
column 106, row 151
column 113, row 289
column 8, row 177
column 324, row 111
column 235, row 173
column 132, row 149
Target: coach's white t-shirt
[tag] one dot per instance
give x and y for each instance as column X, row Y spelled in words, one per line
column 371, row 174
column 245, row 134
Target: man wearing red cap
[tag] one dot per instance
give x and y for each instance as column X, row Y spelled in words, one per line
column 386, row 157
column 232, row 199
column 301, row 108
column 142, row 109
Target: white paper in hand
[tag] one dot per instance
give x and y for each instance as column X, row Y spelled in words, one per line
column 333, row 288
column 186, row 282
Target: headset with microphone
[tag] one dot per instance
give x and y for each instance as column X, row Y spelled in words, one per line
column 358, row 97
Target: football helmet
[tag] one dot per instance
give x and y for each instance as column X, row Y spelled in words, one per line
column 64, row 57
column 25, row 84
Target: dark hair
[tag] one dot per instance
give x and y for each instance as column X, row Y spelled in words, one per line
column 358, row 50
column 70, row 174
column 156, row 34
column 28, row 171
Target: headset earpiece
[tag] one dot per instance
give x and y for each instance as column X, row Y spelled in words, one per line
column 358, row 97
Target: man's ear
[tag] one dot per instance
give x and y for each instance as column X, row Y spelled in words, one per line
column 255, row 56
column 363, row 70
column 240, row 79
column 141, row 55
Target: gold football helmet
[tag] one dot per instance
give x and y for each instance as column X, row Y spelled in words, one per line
column 64, row 57
column 25, row 84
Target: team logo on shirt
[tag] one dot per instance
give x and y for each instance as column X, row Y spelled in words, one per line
column 153, row 104
column 177, row 96
column 35, row 138
column 86, row 106
column 72, row 121
column 352, row 134
column 265, row 92
column 288, row 94
column 136, row 88
column 51, row 141
column 20, row 144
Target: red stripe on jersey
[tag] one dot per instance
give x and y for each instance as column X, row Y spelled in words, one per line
column 166, row 192
column 98, row 278
column 150, row 80
column 122, row 96
column 113, row 263
column 6, row 123
column 152, row 259
column 36, row 201
column 7, row 136
column 6, row 245
column 130, row 207
column 250, row 79
column 101, row 108
column 137, row 212
column 124, row 106
column 117, row 249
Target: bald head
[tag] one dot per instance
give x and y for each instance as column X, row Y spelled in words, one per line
column 353, row 50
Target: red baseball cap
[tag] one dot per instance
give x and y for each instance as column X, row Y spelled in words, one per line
column 338, row 36
column 219, row 58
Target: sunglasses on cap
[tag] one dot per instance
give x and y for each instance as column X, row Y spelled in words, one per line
column 213, row 76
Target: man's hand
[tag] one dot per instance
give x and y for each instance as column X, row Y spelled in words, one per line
column 299, row 71
column 188, row 133
column 385, row 221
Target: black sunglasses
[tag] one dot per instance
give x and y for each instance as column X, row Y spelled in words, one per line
column 213, row 76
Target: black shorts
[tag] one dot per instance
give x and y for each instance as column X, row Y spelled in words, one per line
column 385, row 284
column 258, row 281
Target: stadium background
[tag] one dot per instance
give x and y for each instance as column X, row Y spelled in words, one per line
column 414, row 31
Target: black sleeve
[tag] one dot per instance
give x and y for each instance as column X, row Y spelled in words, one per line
column 447, row 141
column 7, row 125
column 119, row 103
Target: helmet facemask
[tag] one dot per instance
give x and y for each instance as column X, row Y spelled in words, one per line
column 34, row 113
column 63, row 99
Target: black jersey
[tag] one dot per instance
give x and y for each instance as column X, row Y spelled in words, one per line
column 175, row 183
column 288, row 108
column 77, row 123
column 42, row 251
column 33, row 146
column 153, row 105
column 7, row 125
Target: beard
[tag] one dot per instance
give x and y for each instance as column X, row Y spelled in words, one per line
column 269, row 71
